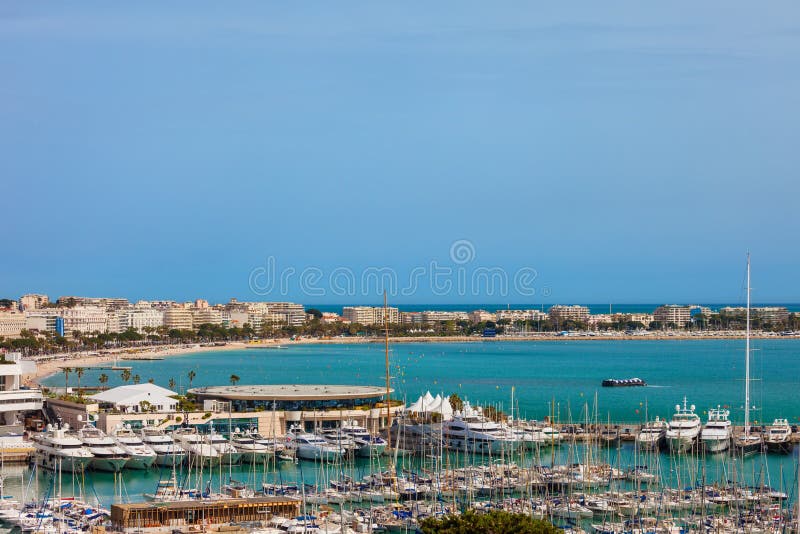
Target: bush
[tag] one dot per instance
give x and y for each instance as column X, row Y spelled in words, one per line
column 495, row 522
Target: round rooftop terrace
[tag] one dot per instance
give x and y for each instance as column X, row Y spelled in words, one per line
column 290, row 392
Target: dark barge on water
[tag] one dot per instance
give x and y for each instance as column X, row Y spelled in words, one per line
column 623, row 383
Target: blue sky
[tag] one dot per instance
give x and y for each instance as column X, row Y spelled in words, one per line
column 624, row 151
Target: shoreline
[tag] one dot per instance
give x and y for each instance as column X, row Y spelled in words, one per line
column 50, row 364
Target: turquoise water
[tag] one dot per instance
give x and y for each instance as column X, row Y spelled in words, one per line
column 568, row 373
column 562, row 374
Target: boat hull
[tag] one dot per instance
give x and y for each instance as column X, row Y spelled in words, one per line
column 780, row 447
column 680, row 444
column 168, row 459
column 108, row 465
column 715, row 445
column 140, row 462
column 70, row 464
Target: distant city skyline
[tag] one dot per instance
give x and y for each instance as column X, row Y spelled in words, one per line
column 615, row 152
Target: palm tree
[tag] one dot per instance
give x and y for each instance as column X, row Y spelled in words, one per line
column 125, row 375
column 103, row 379
column 137, row 379
column 192, row 374
column 234, row 379
column 171, row 383
column 79, row 373
column 66, row 371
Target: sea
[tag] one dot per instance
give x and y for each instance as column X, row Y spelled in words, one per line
column 556, row 378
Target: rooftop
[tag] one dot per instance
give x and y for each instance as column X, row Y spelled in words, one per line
column 289, row 392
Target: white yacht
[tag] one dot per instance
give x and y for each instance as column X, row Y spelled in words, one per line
column 336, row 437
column 368, row 445
column 108, row 456
column 779, row 436
column 229, row 454
column 168, row 452
column 470, row 431
column 251, row 451
column 716, row 434
column 684, row 428
column 56, row 448
column 141, row 456
column 312, row 447
column 197, row 446
column 652, row 435
column 274, row 445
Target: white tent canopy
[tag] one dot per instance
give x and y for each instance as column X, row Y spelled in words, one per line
column 429, row 404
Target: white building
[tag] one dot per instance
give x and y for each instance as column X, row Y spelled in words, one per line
column 370, row 315
column 81, row 319
column 136, row 398
column 436, row 316
column 178, row 318
column 481, row 316
column 673, row 314
column 33, row 301
column 11, row 324
column 206, row 315
column 137, row 318
column 13, row 399
column 561, row 313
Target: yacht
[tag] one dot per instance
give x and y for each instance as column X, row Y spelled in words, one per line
column 779, row 436
column 336, row 437
column 652, row 435
column 368, row 445
column 683, row 429
column 108, row 456
column 56, row 449
column 168, row 453
column 470, row 431
column 197, row 447
column 716, row 434
column 229, row 454
column 273, row 445
column 140, row 455
column 312, row 447
column 252, row 451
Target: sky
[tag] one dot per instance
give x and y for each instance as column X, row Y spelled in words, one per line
column 524, row 152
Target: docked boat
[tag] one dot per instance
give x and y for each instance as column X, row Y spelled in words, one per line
column 229, row 454
column 58, row 449
column 472, row 432
column 716, row 434
column 140, row 455
column 367, row 444
column 779, row 436
column 198, row 447
column 168, row 452
column 609, row 437
column 251, row 451
column 108, row 456
column 336, row 437
column 623, row 383
column 309, row 446
column 683, row 429
column 652, row 435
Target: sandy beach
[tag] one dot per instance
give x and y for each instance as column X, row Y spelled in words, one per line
column 52, row 363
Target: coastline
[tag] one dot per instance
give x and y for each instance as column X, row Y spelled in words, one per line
column 48, row 365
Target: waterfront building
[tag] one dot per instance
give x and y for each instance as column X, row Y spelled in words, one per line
column 136, row 398
column 370, row 315
column 11, row 324
column 137, row 318
column 435, row 316
column 14, row 400
column 83, row 319
column 44, row 322
column 768, row 314
column 278, row 406
column 481, row 316
column 178, row 318
column 521, row 315
column 411, row 317
column 331, row 317
column 673, row 314
column 293, row 314
column 561, row 313
column 205, row 315
column 33, row 301
column 95, row 302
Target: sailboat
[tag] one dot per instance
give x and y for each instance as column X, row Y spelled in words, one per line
column 746, row 442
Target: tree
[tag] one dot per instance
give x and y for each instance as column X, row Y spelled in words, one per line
column 125, row 375
column 234, row 379
column 455, row 402
column 495, row 522
column 137, row 379
column 151, row 380
column 191, row 376
column 66, row 371
column 315, row 312
column 79, row 371
column 103, row 379
column 171, row 383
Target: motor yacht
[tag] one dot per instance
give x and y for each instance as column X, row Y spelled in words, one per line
column 108, row 456
column 716, row 434
column 684, row 428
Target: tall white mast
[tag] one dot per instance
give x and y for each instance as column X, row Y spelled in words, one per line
column 747, row 358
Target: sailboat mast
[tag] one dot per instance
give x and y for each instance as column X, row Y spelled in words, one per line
column 747, row 357
column 386, row 330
